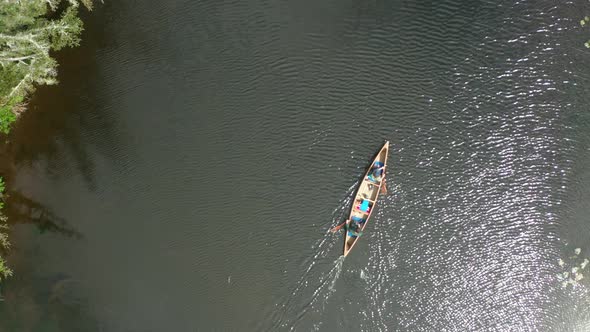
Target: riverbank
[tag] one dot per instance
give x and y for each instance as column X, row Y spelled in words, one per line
column 29, row 32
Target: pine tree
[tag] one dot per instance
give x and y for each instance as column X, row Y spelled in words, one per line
column 27, row 35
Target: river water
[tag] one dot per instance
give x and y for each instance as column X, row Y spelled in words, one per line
column 185, row 173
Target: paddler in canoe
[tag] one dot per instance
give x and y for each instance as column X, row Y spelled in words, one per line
column 354, row 227
column 365, row 200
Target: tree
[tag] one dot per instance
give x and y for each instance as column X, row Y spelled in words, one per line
column 27, row 35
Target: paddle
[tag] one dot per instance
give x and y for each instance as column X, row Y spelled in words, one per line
column 333, row 230
column 384, row 188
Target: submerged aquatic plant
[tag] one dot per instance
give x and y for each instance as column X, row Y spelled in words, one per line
column 572, row 269
column 583, row 22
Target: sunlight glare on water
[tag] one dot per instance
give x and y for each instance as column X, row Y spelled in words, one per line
column 203, row 150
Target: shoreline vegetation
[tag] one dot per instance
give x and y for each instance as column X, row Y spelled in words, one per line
column 5, row 271
column 29, row 31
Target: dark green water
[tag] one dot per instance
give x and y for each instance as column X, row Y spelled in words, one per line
column 195, row 154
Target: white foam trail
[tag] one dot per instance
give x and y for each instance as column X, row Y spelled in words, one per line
column 323, row 292
column 287, row 319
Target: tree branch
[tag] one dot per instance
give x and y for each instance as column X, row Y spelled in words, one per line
column 19, row 59
column 19, row 85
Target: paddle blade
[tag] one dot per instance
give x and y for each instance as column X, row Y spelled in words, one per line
column 335, row 229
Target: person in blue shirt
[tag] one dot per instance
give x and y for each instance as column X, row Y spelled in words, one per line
column 354, row 229
column 376, row 171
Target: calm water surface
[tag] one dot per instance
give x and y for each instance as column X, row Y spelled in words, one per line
column 186, row 171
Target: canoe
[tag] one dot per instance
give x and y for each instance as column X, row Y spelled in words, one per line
column 366, row 197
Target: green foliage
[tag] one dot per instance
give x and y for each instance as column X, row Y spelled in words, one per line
column 5, row 272
column 8, row 116
column 66, row 32
column 2, row 187
column 20, row 15
column 27, row 35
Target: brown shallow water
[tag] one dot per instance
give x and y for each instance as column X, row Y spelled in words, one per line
column 184, row 174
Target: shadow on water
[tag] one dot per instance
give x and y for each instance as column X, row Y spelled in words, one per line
column 50, row 303
column 61, row 120
column 51, row 130
column 23, row 210
column 308, row 296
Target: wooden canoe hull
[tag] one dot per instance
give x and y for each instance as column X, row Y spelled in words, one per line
column 369, row 189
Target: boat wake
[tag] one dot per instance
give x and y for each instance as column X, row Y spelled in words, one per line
column 294, row 312
column 317, row 282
